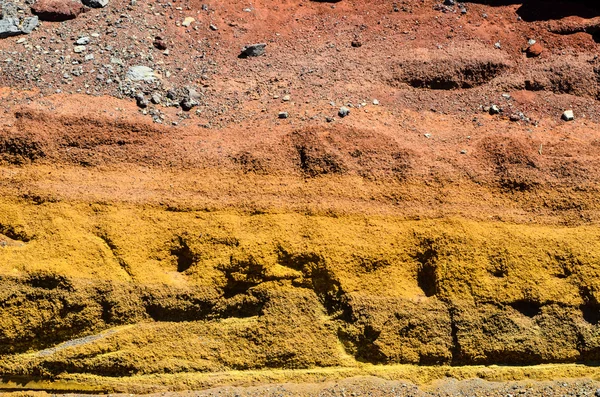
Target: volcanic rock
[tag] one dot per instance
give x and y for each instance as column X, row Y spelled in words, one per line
column 253, row 50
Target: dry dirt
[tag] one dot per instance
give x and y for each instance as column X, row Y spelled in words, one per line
column 421, row 237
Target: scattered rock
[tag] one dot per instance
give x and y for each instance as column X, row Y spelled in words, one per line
column 283, row 115
column 140, row 73
column 187, row 21
column 463, row 151
column 159, row 43
column 191, row 100
column 515, row 117
column 95, row 3
column 155, row 98
column 213, row 27
column 375, row 102
column 83, row 40
column 329, row 119
column 356, row 44
column 253, row 50
column 568, row 115
column 141, row 101
column 79, row 49
column 343, row 112
column 286, row 98
column 57, row 10
column 534, row 50
column 494, row 109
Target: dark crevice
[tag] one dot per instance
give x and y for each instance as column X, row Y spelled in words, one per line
column 527, row 307
column 427, row 257
column 455, row 350
column 183, row 254
column 49, row 281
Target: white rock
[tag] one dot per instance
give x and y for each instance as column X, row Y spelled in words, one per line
column 187, row 21
column 140, row 73
column 568, row 115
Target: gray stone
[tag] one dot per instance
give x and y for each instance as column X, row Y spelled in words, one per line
column 83, row 40
column 9, row 27
column 568, row 115
column 140, row 73
column 141, row 101
column 213, row 27
column 79, row 49
column 343, row 112
column 9, row 10
column 191, row 100
column 95, row 3
column 283, row 115
column 253, row 50
column 29, row 24
column 155, row 98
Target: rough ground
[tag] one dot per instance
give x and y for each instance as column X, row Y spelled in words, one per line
column 224, row 245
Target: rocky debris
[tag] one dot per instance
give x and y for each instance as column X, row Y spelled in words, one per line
column 356, row 44
column 95, row 3
column 57, row 10
column 253, row 50
column 286, row 98
column 568, row 115
column 191, row 99
column 494, row 109
column 343, row 112
column 83, row 40
column 375, row 102
column 140, row 73
column 155, row 98
column 283, row 115
column 141, row 101
column 213, row 27
column 534, row 50
column 159, row 43
column 79, row 49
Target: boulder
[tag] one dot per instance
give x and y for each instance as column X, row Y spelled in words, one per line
column 57, row 10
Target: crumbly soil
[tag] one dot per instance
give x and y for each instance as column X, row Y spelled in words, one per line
column 157, row 249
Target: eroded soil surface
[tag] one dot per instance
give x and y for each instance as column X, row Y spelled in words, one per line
column 224, row 218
